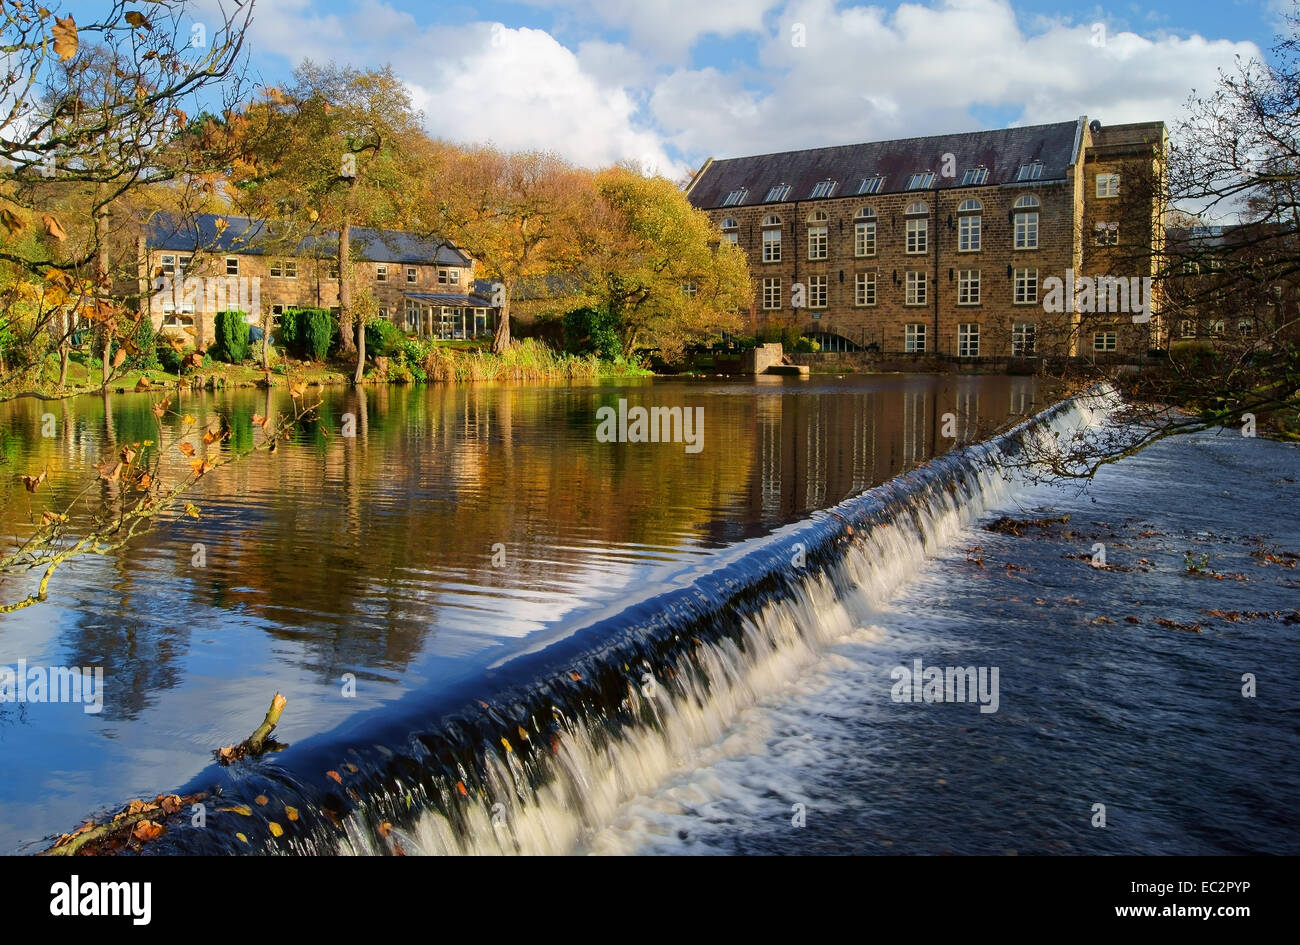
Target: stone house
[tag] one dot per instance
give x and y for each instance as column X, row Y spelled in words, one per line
column 199, row 266
column 948, row 246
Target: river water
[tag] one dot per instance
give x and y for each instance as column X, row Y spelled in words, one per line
column 383, row 580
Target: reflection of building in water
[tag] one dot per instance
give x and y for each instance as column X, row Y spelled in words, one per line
column 815, row 456
column 916, row 442
column 967, row 410
column 1021, row 399
column 864, row 442
column 769, row 446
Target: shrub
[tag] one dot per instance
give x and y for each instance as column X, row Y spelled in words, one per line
column 308, row 332
column 384, row 339
column 592, row 331
column 168, row 357
column 144, row 339
column 806, row 345
column 231, row 343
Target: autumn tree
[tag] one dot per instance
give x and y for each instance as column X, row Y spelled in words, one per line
column 334, row 150
column 516, row 214
column 657, row 266
column 91, row 120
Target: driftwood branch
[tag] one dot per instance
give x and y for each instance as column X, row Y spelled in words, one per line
column 260, row 740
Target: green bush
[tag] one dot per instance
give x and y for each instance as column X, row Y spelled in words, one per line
column 167, row 356
column 592, row 331
column 308, row 332
column 806, row 345
column 144, row 338
column 231, row 344
column 383, row 339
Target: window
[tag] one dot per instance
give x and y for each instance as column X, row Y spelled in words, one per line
column 232, row 265
column 276, row 312
column 1107, row 234
column 871, row 185
column 917, row 229
column 443, row 277
column 736, row 197
column 731, row 230
column 864, row 232
column 823, row 189
column 454, row 276
column 771, row 246
column 968, row 287
column 412, row 274
column 284, row 269
column 914, row 338
column 183, row 263
column 864, row 289
column 690, row 289
column 817, row 292
column 333, row 270
column 1026, row 283
column 1104, row 340
column 1031, row 171
column 975, row 176
column 915, row 294
column 1107, row 185
column 1245, row 327
column 920, row 181
column 771, row 293
column 381, row 273
column 1216, row 327
column 777, row 193
column 1022, row 339
column 1026, row 223
column 771, row 220
column 1187, row 328
column 969, row 226
column 968, row 340
column 817, row 230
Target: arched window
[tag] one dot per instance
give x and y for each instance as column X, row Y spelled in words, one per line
column 817, row 234
column 772, row 238
column 730, row 224
column 1025, row 223
column 864, row 232
column 917, row 229
column 970, row 227
column 771, row 220
column 731, row 230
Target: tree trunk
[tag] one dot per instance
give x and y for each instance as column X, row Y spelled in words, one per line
column 501, row 338
column 101, row 287
column 346, row 344
column 361, row 351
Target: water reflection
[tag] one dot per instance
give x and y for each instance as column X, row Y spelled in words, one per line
column 373, row 554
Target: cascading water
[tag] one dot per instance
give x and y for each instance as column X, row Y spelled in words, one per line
column 540, row 753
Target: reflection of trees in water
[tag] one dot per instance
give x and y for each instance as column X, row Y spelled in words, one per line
column 356, row 548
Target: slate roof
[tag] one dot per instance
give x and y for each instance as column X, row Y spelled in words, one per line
column 245, row 235
column 1003, row 151
column 446, row 298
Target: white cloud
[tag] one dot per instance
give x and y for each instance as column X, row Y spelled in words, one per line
column 865, row 74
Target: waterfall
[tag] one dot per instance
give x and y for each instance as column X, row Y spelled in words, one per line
column 541, row 753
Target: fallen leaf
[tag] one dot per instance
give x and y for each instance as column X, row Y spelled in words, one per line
column 291, row 812
column 147, row 830
column 143, row 384
column 242, row 838
column 335, row 775
column 385, row 829
column 261, row 800
column 353, row 769
column 242, row 809
column 276, row 829
column 186, row 448
column 170, row 803
column 11, row 221
column 54, row 228
column 460, row 786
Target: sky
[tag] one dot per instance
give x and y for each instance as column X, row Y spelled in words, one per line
column 668, row 83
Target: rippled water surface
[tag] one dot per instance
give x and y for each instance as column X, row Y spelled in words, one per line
column 460, row 526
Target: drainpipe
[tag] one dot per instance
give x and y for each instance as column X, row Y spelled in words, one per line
column 937, row 234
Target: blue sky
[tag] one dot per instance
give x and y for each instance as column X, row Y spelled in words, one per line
column 667, row 83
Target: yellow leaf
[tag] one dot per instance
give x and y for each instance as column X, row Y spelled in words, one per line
column 191, row 510
column 65, row 38
column 276, row 829
column 506, row 743
column 291, row 812
column 187, row 419
column 242, row 837
column 261, row 800
column 137, row 20
column 242, row 809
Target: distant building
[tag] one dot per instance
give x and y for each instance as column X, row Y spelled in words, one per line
column 947, row 246
column 212, row 262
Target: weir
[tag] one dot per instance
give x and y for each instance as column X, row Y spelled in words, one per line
column 541, row 751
